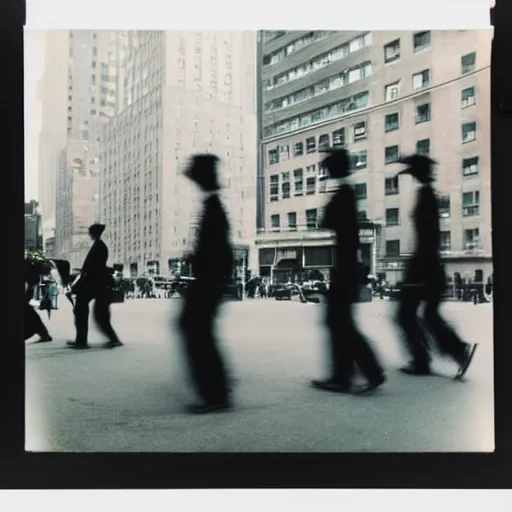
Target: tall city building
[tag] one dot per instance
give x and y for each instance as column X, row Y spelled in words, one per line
column 79, row 93
column 33, row 227
column 52, row 92
column 380, row 94
column 183, row 93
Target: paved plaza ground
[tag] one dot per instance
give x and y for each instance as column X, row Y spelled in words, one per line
column 132, row 398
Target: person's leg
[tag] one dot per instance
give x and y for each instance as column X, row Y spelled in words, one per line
column 342, row 359
column 414, row 337
column 364, row 355
column 205, row 362
column 446, row 338
column 101, row 310
column 81, row 312
column 34, row 325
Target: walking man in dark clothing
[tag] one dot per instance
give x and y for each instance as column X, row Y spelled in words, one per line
column 93, row 284
column 425, row 280
column 349, row 347
column 212, row 266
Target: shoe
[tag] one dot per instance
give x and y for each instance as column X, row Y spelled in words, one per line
column 371, row 386
column 416, row 369
column 466, row 359
column 44, row 339
column 113, row 344
column 332, row 385
column 77, row 346
column 207, row 408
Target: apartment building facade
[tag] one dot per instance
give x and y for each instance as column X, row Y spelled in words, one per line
column 379, row 94
column 184, row 93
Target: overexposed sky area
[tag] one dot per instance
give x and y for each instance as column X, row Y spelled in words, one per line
column 34, row 67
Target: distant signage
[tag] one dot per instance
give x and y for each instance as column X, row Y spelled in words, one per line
column 366, row 232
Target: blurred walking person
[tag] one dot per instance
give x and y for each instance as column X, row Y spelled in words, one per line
column 94, row 284
column 349, row 347
column 212, row 266
column 425, row 280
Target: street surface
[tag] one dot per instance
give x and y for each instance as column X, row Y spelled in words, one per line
column 132, row 398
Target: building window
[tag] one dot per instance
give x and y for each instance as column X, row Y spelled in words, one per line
column 310, row 185
column 391, row 186
column 274, row 187
column 423, row 113
column 359, row 130
column 359, row 160
column 468, row 132
column 391, row 122
column 471, row 203
column 298, row 181
column 468, row 97
column 470, row 166
column 273, row 157
column 392, row 91
column 444, row 206
column 421, row 79
column 311, row 218
column 423, row 147
column 322, row 173
column 323, row 141
column 292, row 221
column 392, row 51
column 391, row 154
column 331, row 111
column 360, row 191
column 361, row 216
column 445, row 243
column 310, row 145
column 468, row 63
column 285, row 190
column 421, row 40
column 471, row 239
column 275, row 221
column 298, row 149
column 392, row 217
column 284, row 152
column 338, row 137
column 392, row 248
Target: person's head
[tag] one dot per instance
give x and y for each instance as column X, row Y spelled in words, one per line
column 96, row 230
column 420, row 167
column 337, row 163
column 202, row 170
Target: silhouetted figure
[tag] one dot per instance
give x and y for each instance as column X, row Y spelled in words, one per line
column 212, row 266
column 348, row 345
column 425, row 280
column 94, row 284
column 46, row 303
column 32, row 321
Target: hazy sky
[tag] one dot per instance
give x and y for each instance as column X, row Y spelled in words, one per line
column 34, row 67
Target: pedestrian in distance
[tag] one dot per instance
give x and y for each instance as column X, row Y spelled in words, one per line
column 425, row 281
column 349, row 347
column 212, row 266
column 94, row 284
column 32, row 323
column 46, row 303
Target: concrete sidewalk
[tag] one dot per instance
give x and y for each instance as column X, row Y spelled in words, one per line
column 131, row 398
